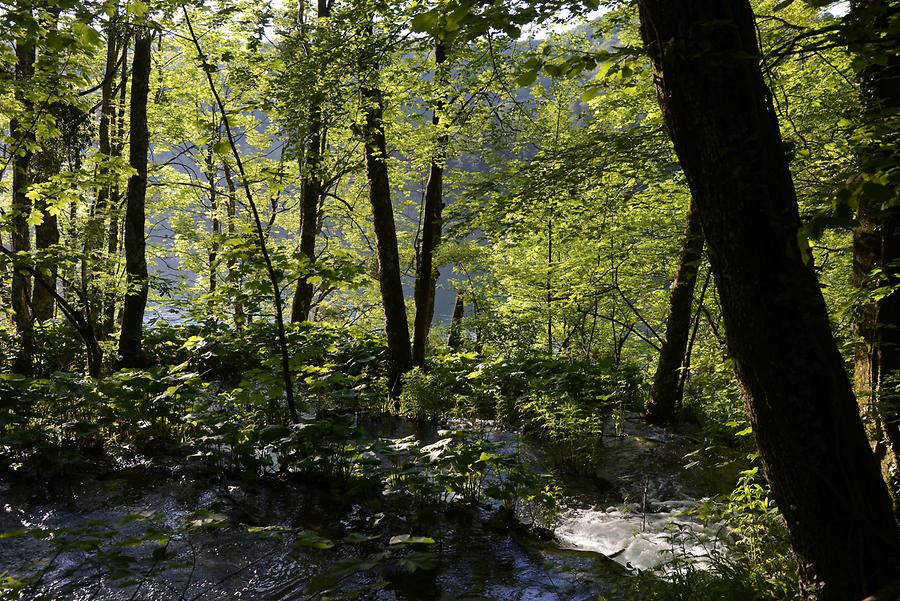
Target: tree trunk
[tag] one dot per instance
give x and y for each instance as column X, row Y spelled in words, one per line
column 811, row 441
column 240, row 320
column 396, row 324
column 454, row 341
column 664, row 395
column 876, row 237
column 211, row 177
column 115, row 194
column 310, row 193
column 97, row 229
column 427, row 273
column 46, row 236
column 45, row 164
column 130, row 338
column 22, row 135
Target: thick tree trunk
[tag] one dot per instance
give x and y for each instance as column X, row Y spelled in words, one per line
column 876, row 237
column 396, row 324
column 22, row 135
column 310, row 193
column 130, row 338
column 811, row 440
column 665, row 393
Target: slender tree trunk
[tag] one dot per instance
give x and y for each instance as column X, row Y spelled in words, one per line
column 310, row 193
column 459, row 311
column 427, row 272
column 396, row 324
column 811, row 441
column 261, row 231
column 46, row 236
column 22, row 135
column 686, row 370
column 664, row 395
column 876, row 237
column 549, row 285
column 46, row 164
column 211, row 177
column 97, row 229
column 115, row 195
column 130, row 338
column 240, row 319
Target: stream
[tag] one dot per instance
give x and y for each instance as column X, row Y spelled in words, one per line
column 97, row 531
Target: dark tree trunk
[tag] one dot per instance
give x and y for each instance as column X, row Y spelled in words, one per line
column 310, row 193
column 665, row 393
column 211, row 177
column 454, row 341
column 22, row 135
column 548, row 285
column 97, row 229
column 115, row 194
column 876, row 237
column 130, row 338
column 427, row 272
column 811, row 440
column 240, row 319
column 396, row 324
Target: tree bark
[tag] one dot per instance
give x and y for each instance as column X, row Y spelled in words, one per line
column 310, row 193
column 427, row 273
column 130, row 338
column 811, row 441
column 22, row 135
column 396, row 324
column 665, row 392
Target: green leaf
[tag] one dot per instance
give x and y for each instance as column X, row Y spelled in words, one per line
column 36, row 218
column 312, row 540
column 137, row 8
column 526, row 78
column 426, row 22
column 222, row 147
column 87, row 34
column 406, row 539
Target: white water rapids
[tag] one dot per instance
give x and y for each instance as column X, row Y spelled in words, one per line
column 646, row 541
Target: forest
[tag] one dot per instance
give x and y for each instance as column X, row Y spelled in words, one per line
column 450, row 300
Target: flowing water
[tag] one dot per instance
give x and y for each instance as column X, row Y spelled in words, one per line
column 100, row 530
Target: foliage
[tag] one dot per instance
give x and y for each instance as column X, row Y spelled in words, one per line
column 564, row 212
